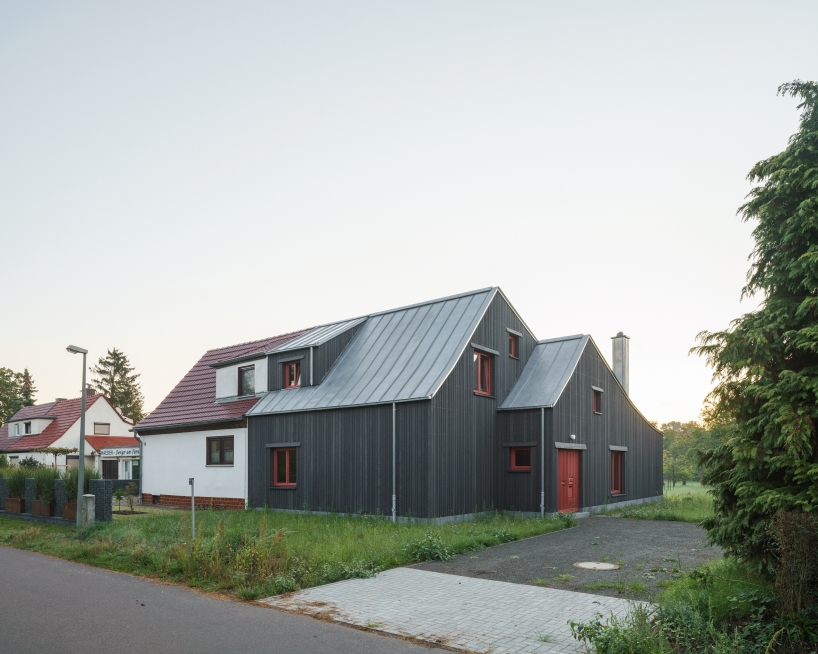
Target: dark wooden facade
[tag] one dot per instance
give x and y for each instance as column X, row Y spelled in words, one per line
column 452, row 451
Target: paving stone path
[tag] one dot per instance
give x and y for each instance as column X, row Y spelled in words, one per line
column 476, row 615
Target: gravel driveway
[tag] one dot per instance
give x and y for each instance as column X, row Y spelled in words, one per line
column 648, row 552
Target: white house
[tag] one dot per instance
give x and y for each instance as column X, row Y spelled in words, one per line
column 57, row 425
column 200, row 429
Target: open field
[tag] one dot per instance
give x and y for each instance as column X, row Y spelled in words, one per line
column 257, row 553
column 689, row 503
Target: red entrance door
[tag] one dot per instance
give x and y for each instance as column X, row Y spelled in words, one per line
column 568, row 480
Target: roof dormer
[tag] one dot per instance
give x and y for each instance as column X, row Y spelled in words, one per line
column 241, row 378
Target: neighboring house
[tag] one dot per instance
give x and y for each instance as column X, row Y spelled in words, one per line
column 433, row 411
column 200, row 429
column 116, row 457
column 57, row 424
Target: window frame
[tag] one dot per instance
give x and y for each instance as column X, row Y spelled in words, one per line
column 617, row 469
column 101, row 424
column 597, row 401
column 286, row 365
column 221, row 440
column 478, row 356
column 512, row 461
column 513, row 346
column 27, row 428
column 239, row 388
column 287, row 451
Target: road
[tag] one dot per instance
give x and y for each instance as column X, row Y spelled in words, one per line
column 49, row 605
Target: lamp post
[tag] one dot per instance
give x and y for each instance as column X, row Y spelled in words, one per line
column 73, row 349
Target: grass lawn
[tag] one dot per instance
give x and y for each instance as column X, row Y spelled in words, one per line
column 689, row 503
column 257, row 553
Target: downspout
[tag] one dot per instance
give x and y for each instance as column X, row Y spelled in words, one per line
column 394, row 494
column 542, row 462
column 310, row 365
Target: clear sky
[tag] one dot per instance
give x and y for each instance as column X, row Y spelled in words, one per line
column 177, row 176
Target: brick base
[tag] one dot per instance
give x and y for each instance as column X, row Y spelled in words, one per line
column 183, row 502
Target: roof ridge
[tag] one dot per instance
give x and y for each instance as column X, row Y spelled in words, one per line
column 435, row 301
column 260, row 340
column 563, row 338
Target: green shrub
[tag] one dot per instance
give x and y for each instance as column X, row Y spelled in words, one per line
column 4, row 463
column 16, row 481
column 429, row 548
column 44, row 479
column 796, row 573
column 30, row 463
column 71, row 479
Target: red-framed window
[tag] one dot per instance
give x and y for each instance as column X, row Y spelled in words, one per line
column 284, row 466
column 617, row 459
column 482, row 364
column 520, row 458
column 597, row 401
column 513, row 345
column 292, row 374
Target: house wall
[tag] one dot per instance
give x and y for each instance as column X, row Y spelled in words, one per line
column 520, row 491
column 276, row 367
column 227, row 378
column 619, row 424
column 168, row 460
column 326, row 354
column 464, row 454
column 345, row 459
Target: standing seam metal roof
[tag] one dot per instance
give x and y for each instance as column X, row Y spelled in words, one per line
column 399, row 355
column 319, row 335
column 546, row 373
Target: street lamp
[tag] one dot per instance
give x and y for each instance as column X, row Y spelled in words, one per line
column 73, row 349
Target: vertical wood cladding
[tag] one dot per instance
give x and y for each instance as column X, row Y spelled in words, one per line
column 275, row 367
column 344, row 459
column 464, row 453
column 326, row 354
column 619, row 423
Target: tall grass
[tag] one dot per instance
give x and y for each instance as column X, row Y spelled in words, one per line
column 71, row 477
column 44, row 479
column 16, row 481
column 689, row 507
column 256, row 553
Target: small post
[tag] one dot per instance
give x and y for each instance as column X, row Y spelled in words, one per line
column 192, row 510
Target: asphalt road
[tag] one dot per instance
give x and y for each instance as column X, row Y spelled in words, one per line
column 49, row 605
column 647, row 550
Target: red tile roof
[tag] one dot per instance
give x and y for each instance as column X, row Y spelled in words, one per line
column 101, row 442
column 193, row 399
column 36, row 411
column 67, row 413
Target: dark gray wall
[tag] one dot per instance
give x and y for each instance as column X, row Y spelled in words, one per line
column 326, row 354
column 275, row 368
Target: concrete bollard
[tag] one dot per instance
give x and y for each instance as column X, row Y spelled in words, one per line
column 88, row 509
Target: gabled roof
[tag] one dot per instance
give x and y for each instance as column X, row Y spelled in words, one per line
column 65, row 412
column 31, row 412
column 398, row 355
column 192, row 401
column 98, row 443
column 546, row 373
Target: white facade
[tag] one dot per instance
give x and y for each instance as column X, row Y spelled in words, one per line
column 169, row 460
column 227, row 378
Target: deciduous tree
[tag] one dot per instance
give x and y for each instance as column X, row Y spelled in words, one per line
column 765, row 403
column 10, row 399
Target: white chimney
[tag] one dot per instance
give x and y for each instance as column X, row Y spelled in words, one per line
column 621, row 366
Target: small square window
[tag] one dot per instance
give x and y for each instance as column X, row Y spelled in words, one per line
column 27, row 427
column 513, row 345
column 220, row 451
column 521, row 458
column 617, row 459
column 482, row 364
column 247, row 381
column 292, row 374
column 284, row 466
column 102, row 429
column 597, row 401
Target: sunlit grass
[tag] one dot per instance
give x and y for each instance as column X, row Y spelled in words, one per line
column 693, row 505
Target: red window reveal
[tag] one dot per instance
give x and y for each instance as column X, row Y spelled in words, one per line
column 513, row 345
column 597, row 401
column 292, row 374
column 483, row 365
column 285, row 466
column 521, row 458
column 616, row 472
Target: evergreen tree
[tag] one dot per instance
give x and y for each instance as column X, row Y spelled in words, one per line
column 10, row 399
column 27, row 390
column 115, row 378
column 765, row 403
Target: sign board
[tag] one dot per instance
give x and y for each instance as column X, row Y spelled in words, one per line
column 119, row 451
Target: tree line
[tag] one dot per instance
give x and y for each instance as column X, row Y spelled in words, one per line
column 113, row 376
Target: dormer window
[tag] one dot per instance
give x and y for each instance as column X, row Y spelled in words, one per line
column 247, row 381
column 292, row 374
column 17, row 429
column 26, row 427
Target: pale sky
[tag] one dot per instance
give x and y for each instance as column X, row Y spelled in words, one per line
column 176, row 176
